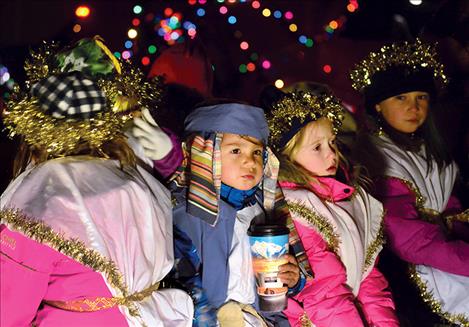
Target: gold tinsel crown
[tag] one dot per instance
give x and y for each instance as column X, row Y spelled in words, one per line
column 296, row 109
column 125, row 88
column 415, row 55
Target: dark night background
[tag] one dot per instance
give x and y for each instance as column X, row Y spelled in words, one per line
column 24, row 24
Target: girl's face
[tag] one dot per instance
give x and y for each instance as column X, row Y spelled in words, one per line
column 317, row 152
column 405, row 112
column 241, row 161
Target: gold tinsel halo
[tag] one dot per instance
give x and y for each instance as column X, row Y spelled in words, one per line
column 126, row 90
column 415, row 55
column 303, row 107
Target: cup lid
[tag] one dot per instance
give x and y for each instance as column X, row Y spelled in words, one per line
column 268, row 230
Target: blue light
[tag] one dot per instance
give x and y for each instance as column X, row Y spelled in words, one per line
column 200, row 12
column 277, row 14
column 232, row 20
column 128, row 44
column 302, row 39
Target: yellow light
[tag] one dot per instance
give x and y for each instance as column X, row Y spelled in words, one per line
column 82, row 11
column 279, row 84
column 293, row 27
column 132, row 33
column 77, row 28
column 266, row 12
column 333, row 24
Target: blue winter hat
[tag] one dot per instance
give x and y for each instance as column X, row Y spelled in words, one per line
column 234, row 118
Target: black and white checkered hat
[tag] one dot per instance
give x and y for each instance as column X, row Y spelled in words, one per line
column 70, row 95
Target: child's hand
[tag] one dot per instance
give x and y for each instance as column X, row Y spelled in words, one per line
column 289, row 273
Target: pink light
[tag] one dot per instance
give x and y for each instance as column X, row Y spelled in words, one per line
column 288, row 15
column 223, row 10
column 202, row 2
column 256, row 4
column 266, row 64
column 125, row 55
column 244, row 45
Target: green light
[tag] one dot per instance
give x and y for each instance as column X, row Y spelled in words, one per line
column 242, row 68
column 221, row 1
column 329, row 29
column 117, row 55
column 152, row 49
column 138, row 9
column 254, row 56
column 309, row 43
column 213, row 67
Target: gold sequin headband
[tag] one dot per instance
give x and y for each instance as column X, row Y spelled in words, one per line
column 296, row 109
column 126, row 89
column 416, row 55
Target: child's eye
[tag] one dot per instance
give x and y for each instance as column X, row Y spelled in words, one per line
column 317, row 147
column 258, row 152
column 235, row 151
column 400, row 97
column 333, row 142
column 423, row 97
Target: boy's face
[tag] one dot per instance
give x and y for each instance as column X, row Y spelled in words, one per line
column 318, row 152
column 241, row 161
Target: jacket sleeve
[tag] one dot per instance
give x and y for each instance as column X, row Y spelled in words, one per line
column 166, row 166
column 415, row 240
column 376, row 301
column 23, row 279
column 326, row 298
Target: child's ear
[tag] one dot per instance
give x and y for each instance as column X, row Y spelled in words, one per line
column 377, row 108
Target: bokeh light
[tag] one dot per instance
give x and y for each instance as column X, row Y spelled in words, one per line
column 279, row 84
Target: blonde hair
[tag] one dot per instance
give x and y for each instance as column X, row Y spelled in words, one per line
column 117, row 149
column 291, row 171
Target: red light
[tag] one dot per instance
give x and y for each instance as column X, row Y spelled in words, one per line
column 135, row 22
column 168, row 11
column 82, row 11
column 145, row 61
column 327, row 69
column 251, row 67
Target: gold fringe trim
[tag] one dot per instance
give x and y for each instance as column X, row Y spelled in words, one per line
column 322, row 225
column 101, row 303
column 72, row 248
column 434, row 304
column 305, row 321
column 375, row 245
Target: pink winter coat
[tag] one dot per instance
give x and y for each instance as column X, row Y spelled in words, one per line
column 45, row 276
column 420, row 242
column 327, row 300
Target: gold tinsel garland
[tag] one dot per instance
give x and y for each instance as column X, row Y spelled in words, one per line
column 305, row 107
column 72, row 248
column 323, row 226
column 376, row 245
column 415, row 55
column 125, row 92
column 59, row 137
column 435, row 305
